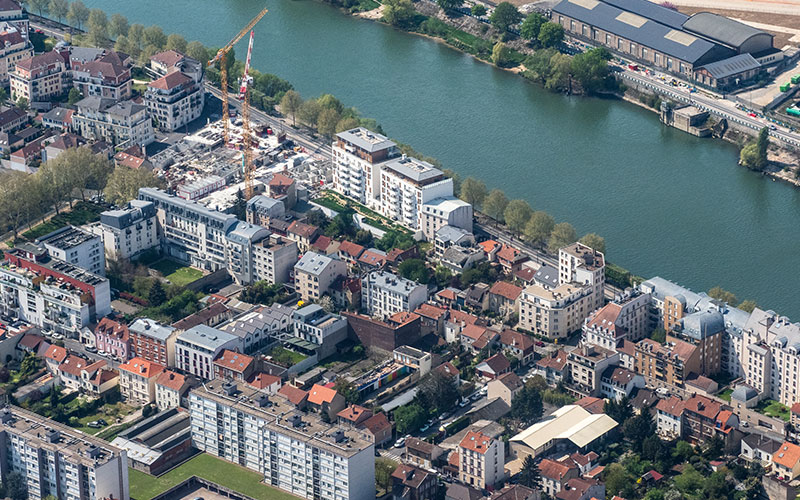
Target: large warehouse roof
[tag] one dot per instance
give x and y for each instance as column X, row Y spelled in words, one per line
column 642, row 30
column 568, row 422
column 728, row 67
column 721, row 29
column 650, row 10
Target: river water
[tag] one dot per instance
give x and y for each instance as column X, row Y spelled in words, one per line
column 668, row 204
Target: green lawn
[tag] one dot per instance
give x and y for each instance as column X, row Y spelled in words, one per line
column 81, row 213
column 108, row 412
column 176, row 272
column 144, row 486
column 726, row 394
column 772, row 408
column 285, row 356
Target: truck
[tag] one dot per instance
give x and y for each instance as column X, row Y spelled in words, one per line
column 795, row 79
column 785, row 87
column 793, row 111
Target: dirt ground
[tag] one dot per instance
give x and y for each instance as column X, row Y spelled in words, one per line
column 781, row 39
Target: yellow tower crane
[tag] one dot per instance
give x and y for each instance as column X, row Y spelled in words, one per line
column 223, row 73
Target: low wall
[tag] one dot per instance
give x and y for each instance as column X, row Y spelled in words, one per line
column 214, row 278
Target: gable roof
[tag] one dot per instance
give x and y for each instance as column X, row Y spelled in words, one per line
column 430, row 311
column 555, row 362
column 787, row 455
column 516, row 339
column 351, row 249
column 111, row 328
column 447, row 368
column 171, row 380
column 141, row 367
column 672, row 406
column 507, row 290
column 294, row 394
column 476, row 441
column 56, row 353
column 353, row 413
column 262, row 380
column 377, row 423
column 551, row 469
column 235, row 361
column 496, row 364
column 168, row 58
column 72, row 365
column 511, row 380
column 320, row 394
column 170, row 81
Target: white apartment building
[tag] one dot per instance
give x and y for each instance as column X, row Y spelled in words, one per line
column 481, row 460
column 196, row 348
column 554, row 313
column 128, row 231
column 273, row 259
column 240, row 243
column 170, row 387
column 121, row 123
column 384, row 294
column 315, row 273
column 137, row 380
column 627, row 318
column 296, row 452
column 406, row 185
column 357, row 158
column 174, row 100
column 77, row 247
column 444, row 211
column 49, row 293
column 54, row 459
column 14, row 47
column 323, row 329
column 578, row 263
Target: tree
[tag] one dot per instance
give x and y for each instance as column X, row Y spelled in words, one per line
column 449, row 4
column 136, row 36
column 326, row 122
column 517, row 214
column 551, row 34
column 78, row 14
column 74, row 96
column 123, row 45
column 754, row 154
column 563, row 234
column 618, row 410
column 559, row 76
column 415, row 270
column 58, row 9
column 398, row 13
column 347, row 123
column 262, row 292
column 538, row 228
column 118, row 26
column 156, row 296
column 40, row 6
column 98, row 28
column 659, row 335
column 472, row 191
column 595, row 242
column 437, row 390
column 309, row 112
column 720, row 293
column 124, row 184
column 637, row 428
column 3, row 96
column 478, row 10
column 196, row 50
column 408, row 418
column 347, row 390
column 501, row 55
column 747, row 305
column 155, row 36
column 22, row 103
column 383, row 472
column 617, row 479
column 176, row 42
column 591, row 70
column 527, row 406
column 531, row 26
column 326, row 303
column 689, row 480
column 328, row 101
column 505, row 15
column 290, row 104
column 530, row 475
column 495, row 204
column 15, row 486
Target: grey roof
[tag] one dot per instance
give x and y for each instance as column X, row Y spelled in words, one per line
column 127, row 217
column 743, row 393
column 732, row 66
column 760, row 350
column 761, row 442
column 546, row 276
column 160, row 197
column 365, row 139
column 651, row 10
column 721, row 29
column 265, row 204
column 125, row 108
column 206, row 336
column 389, row 281
column 150, row 328
column 456, row 255
column 67, row 237
column 703, row 324
column 414, row 169
column 643, row 31
column 56, row 114
column 313, row 263
column 95, row 103
column 453, row 234
column 446, row 203
column 243, row 232
column 258, row 320
column 84, row 53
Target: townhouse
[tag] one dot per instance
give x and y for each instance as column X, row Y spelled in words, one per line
column 137, row 380
column 153, row 341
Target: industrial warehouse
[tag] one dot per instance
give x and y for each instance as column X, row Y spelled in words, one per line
column 712, row 50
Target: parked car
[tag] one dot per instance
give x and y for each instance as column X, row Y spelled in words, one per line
column 91, row 348
column 400, row 442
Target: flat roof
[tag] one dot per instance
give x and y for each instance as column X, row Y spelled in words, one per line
column 67, row 237
column 151, row 328
column 366, row 139
column 206, row 336
column 417, row 170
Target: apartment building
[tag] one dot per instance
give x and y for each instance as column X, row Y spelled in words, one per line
column 321, row 329
column 261, row 326
column 39, row 78
column 578, row 263
column 261, row 209
column 107, row 75
column 586, row 365
column 197, row 347
column 240, row 242
column 137, row 380
column 171, row 388
column 296, row 452
column 153, row 341
column 233, row 365
column 444, row 211
column 49, row 293
column 406, row 184
column 273, row 259
column 705, row 330
column 669, row 363
column 174, row 100
column 314, row 274
column 481, row 460
column 14, row 47
column 358, row 155
column 384, row 294
column 191, row 232
column 121, row 123
column 15, row 16
column 170, row 61
column 128, row 231
column 114, row 338
column 626, row 318
column 555, row 313
column 77, row 247
column 56, row 460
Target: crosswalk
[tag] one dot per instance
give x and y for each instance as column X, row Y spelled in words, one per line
column 393, row 454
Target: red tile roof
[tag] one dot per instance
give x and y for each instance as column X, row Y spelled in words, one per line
column 40, row 61
column 787, row 455
column 56, row 353
column 477, row 442
column 171, row 380
column 516, row 339
column 489, row 246
column 103, row 376
column 170, row 81
column 262, row 380
column 302, row 229
column 353, row 413
column 511, row 254
column 372, row 258
column 591, row 404
column 320, row 394
column 511, row 380
column 796, row 408
column 377, row 424
column 234, row 361
column 168, row 58
column 525, row 274
column 473, row 332
column 606, row 317
column 293, row 394
column 111, row 328
column 447, row 368
column 72, row 365
column 351, row 249
column 142, row 367
column 281, row 180
column 431, row 311
column 551, row 469
column 507, row 290
column 497, row 363
column 463, row 317
column 702, row 405
column 672, row 406
column 556, row 362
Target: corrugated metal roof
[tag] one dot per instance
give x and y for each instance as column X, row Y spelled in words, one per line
column 721, row 29
column 732, row 66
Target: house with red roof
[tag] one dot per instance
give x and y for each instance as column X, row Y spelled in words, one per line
column 518, row 344
column 448, row 369
column 283, row 188
column 171, row 389
column 113, row 337
column 265, row 382
column 493, row 367
column 413, row 483
column 98, row 378
column 432, row 318
column 137, row 380
column 325, row 400
column 510, row 259
column 349, row 252
column 53, row 357
column 372, row 258
column 582, row 489
column 69, row 371
column 504, row 298
column 232, row 365
column 795, row 415
column 787, row 460
column 554, row 367
column 294, row 395
column 303, row 234
column 378, row 429
column 353, row 415
column 325, row 245
column 555, row 475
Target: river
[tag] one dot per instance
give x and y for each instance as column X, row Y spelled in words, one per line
column 668, row 204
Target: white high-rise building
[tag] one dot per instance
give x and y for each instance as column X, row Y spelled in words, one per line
column 578, row 263
column 128, row 231
column 406, row 185
column 78, row 247
column 357, row 158
column 294, row 451
column 384, row 294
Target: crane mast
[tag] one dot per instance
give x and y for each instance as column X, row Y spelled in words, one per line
column 247, row 152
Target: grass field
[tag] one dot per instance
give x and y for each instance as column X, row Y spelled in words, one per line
column 144, row 486
column 108, row 412
column 177, row 273
column 772, row 408
column 726, row 394
column 81, row 213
